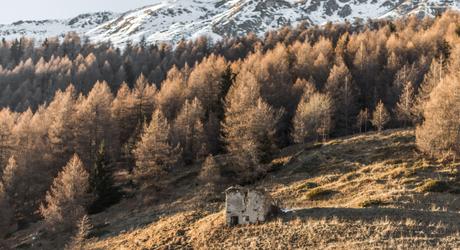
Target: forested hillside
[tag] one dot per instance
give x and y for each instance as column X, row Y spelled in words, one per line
column 76, row 113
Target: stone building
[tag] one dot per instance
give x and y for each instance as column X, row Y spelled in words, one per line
column 246, row 206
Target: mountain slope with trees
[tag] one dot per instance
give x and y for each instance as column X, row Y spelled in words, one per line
column 377, row 190
column 141, row 121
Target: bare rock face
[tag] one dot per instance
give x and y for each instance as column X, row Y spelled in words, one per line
column 331, row 7
column 173, row 20
column 345, row 11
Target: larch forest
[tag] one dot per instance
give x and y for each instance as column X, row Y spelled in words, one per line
column 87, row 127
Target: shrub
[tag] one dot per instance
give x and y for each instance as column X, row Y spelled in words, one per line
column 318, row 193
column 455, row 191
column 210, row 171
column 372, row 203
column 307, row 185
column 434, row 186
column 279, row 163
column 83, row 230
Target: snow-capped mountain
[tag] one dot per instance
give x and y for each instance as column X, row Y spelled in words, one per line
column 52, row 28
column 172, row 20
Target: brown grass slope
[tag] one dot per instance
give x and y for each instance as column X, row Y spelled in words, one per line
column 365, row 191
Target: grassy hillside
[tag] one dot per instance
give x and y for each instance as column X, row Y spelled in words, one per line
column 366, row 191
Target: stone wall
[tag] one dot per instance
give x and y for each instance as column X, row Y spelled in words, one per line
column 245, row 206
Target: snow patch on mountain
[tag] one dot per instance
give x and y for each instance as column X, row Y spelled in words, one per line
column 54, row 28
column 173, row 20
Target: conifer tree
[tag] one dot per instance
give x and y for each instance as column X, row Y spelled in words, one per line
column 153, row 152
column 24, row 185
column 144, row 96
column 210, row 172
column 10, row 174
column 94, row 119
column 124, row 112
column 404, row 107
column 17, row 183
column 172, row 94
column 253, row 139
column 362, row 120
column 7, row 119
column 313, row 118
column 380, row 117
column 432, row 78
column 101, row 182
column 261, row 129
column 240, row 98
column 84, row 227
column 206, row 82
column 302, row 53
column 365, row 64
column 343, row 91
column 6, row 214
column 249, row 125
column 68, row 197
column 439, row 133
column 188, row 130
column 62, row 125
column 271, row 71
column 320, row 69
column 303, row 89
column 127, row 149
column 212, row 129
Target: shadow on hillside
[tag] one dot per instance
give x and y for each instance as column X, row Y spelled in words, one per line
column 372, row 148
column 348, row 154
column 178, row 194
column 375, row 214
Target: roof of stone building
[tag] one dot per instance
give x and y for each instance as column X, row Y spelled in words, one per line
column 238, row 188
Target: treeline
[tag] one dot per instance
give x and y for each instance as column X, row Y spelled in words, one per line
column 242, row 99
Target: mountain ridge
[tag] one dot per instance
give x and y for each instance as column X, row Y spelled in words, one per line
column 172, row 20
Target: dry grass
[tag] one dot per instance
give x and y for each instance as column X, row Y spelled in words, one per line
column 372, row 167
column 166, row 233
column 359, row 192
column 332, row 233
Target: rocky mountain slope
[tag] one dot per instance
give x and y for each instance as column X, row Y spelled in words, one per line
column 172, row 20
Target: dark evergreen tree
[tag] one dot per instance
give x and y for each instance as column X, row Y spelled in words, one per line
column 102, row 183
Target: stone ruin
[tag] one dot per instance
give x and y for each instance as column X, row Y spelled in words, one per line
column 247, row 206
